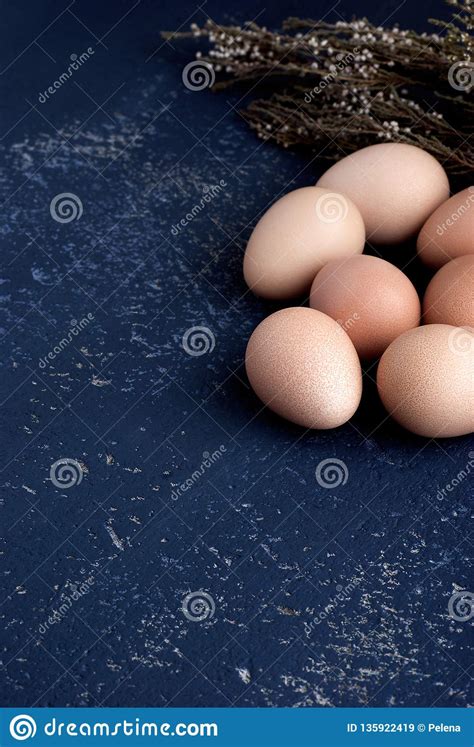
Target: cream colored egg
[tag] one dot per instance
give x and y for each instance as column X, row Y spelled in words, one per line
column 449, row 298
column 425, row 379
column 303, row 366
column 395, row 186
column 296, row 237
column 449, row 231
column 372, row 300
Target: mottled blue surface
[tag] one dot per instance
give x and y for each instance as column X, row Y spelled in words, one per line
column 255, row 530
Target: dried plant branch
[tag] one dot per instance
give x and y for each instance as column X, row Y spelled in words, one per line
column 336, row 87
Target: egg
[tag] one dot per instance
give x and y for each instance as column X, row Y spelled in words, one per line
column 449, row 231
column 304, row 367
column 425, row 379
column 449, row 298
column 395, row 186
column 296, row 237
column 370, row 298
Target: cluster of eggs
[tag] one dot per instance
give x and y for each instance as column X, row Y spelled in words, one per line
column 305, row 363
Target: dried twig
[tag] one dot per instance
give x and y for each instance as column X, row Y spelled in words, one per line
column 337, row 87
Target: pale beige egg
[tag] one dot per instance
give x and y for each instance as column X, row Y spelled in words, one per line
column 370, row 298
column 300, row 233
column 449, row 298
column 449, row 231
column 304, row 367
column 395, row 186
column 425, row 380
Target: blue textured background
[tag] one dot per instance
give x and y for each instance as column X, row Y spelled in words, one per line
column 256, row 532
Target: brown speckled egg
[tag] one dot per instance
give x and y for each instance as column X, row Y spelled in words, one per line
column 394, row 185
column 296, row 237
column 304, row 367
column 449, row 298
column 370, row 298
column 449, row 231
column 425, row 379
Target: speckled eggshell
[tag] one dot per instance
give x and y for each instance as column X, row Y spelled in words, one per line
column 370, row 298
column 296, row 237
column 449, row 231
column 425, row 379
column 303, row 366
column 395, row 186
column 449, row 298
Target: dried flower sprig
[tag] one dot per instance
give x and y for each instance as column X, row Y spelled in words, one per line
column 340, row 86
